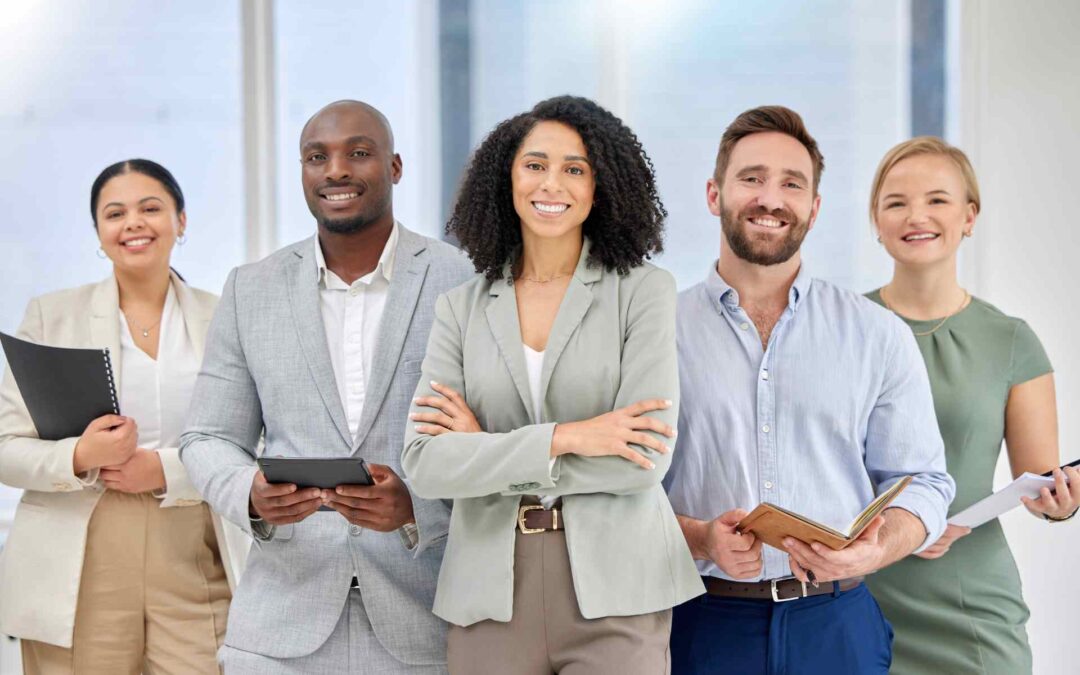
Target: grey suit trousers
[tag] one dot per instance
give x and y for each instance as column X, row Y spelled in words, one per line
column 547, row 633
column 351, row 648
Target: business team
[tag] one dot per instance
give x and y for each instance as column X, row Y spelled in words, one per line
column 541, row 389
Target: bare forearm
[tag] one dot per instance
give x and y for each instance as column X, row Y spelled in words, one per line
column 694, row 532
column 901, row 534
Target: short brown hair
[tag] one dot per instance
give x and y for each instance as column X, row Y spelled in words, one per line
column 763, row 119
column 925, row 145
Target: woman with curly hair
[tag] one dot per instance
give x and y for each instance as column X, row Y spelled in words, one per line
column 547, row 404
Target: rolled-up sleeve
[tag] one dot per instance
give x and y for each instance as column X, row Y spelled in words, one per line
column 902, row 437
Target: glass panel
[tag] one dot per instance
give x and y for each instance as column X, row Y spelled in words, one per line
column 680, row 71
column 379, row 52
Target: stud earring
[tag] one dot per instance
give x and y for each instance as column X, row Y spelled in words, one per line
column 182, row 239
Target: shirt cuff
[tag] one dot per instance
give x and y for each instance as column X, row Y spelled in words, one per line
column 410, row 536
column 260, row 529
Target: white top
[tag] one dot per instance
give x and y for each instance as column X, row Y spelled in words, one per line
column 351, row 315
column 156, row 393
column 534, row 364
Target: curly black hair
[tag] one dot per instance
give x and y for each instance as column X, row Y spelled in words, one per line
column 626, row 223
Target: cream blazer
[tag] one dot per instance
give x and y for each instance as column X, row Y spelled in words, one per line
column 42, row 560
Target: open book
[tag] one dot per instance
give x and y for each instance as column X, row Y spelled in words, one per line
column 772, row 524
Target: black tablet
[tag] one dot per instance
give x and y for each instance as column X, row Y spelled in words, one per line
column 325, row 473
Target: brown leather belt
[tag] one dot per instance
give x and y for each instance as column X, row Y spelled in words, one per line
column 777, row 590
column 533, row 518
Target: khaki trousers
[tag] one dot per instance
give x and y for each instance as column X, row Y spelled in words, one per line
column 547, row 633
column 153, row 596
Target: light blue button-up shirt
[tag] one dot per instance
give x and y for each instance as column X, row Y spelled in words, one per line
column 835, row 410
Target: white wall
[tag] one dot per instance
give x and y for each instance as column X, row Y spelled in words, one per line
column 1020, row 99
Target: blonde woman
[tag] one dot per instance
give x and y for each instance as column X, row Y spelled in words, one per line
column 956, row 607
column 114, row 564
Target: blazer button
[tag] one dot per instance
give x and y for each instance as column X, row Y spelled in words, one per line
column 355, row 530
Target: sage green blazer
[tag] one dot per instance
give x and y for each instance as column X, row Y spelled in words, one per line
column 612, row 344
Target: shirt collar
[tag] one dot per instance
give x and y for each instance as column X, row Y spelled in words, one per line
column 723, row 294
column 384, row 267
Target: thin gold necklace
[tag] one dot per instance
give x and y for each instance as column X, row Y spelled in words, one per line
column 963, row 303
column 538, row 280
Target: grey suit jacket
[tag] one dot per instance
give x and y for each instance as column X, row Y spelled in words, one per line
column 612, row 344
column 267, row 371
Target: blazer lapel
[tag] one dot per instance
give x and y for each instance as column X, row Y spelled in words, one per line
column 502, row 318
column 410, row 270
column 105, row 323
column 572, row 311
column 304, row 299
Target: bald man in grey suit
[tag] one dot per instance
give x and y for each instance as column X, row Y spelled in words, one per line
column 318, row 349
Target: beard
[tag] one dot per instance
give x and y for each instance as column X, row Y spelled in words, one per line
column 346, row 225
column 760, row 248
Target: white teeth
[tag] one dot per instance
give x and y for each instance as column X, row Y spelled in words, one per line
column 766, row 222
column 341, row 197
column 920, row 237
column 550, row 208
column 137, row 242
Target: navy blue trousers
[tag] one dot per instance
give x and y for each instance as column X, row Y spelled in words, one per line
column 838, row 634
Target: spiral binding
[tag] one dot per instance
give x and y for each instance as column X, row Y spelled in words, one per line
column 109, row 378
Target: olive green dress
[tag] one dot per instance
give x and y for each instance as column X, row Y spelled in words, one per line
column 964, row 612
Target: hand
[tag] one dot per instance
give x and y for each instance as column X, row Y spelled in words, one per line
column 613, row 432
column 107, row 441
column 862, row 556
column 739, row 555
column 1062, row 501
column 383, row 507
column 453, row 413
column 142, row 472
column 282, row 503
column 941, row 546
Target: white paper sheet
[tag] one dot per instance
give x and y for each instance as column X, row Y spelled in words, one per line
column 1005, row 499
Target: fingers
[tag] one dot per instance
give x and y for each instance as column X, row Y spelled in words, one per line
column 1073, row 475
column 807, row 556
column 648, row 405
column 731, row 518
column 381, row 473
column 106, row 422
column 637, row 458
column 367, row 502
column 289, row 500
column 431, row 429
column 642, row 423
column 455, row 398
column 379, row 521
column 798, row 570
column 647, row 441
column 293, row 513
column 438, row 418
column 439, row 403
column 870, row 534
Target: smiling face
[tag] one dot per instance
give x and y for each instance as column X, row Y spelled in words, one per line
column 766, row 203
column 349, row 167
column 137, row 222
column 923, row 210
column 553, row 182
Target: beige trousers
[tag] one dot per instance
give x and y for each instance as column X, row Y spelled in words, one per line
column 547, row 633
column 153, row 597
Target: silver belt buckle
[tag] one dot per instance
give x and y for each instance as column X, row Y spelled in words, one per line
column 777, row 598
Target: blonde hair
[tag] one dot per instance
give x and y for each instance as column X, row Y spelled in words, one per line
column 925, row 145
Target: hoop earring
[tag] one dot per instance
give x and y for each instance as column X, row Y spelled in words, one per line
column 101, row 253
column 181, row 240
column 968, row 233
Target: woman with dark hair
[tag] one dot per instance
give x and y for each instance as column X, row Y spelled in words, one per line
column 113, row 562
column 547, row 404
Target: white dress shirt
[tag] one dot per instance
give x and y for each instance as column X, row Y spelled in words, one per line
column 351, row 315
column 156, row 394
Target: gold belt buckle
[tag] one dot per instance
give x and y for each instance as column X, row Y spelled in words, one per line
column 522, row 510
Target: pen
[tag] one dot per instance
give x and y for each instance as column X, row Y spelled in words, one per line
column 810, row 576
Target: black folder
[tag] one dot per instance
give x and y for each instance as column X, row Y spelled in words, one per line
column 64, row 389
